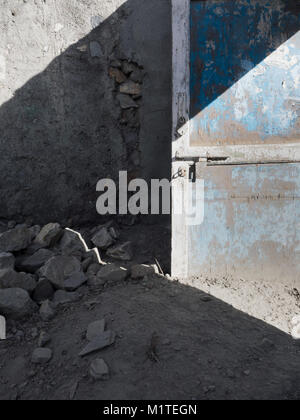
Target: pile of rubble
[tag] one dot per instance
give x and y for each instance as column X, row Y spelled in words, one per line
column 44, row 268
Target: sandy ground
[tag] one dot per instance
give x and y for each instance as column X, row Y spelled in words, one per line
column 203, row 347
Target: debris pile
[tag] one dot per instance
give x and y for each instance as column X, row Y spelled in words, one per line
column 44, row 269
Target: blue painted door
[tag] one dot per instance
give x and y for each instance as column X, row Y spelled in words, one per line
column 245, row 72
column 245, row 93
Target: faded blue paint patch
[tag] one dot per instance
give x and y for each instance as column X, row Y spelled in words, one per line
column 245, row 67
column 252, row 219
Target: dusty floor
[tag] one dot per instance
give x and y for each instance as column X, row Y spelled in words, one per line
column 205, row 348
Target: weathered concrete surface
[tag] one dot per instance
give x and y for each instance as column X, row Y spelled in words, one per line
column 59, row 113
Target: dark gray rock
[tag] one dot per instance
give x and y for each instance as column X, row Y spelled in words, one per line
column 87, row 263
column 96, row 49
column 58, row 269
column 61, row 297
column 95, row 329
column 15, row 239
column 47, row 311
column 75, row 281
column 10, row 279
column 139, row 271
column 103, row 239
column 43, row 291
column 126, row 101
column 33, row 262
column 41, row 356
column 71, row 245
column 112, row 273
column 128, row 67
column 16, row 303
column 99, row 371
column 49, row 235
column 137, row 76
column 7, row 261
column 103, row 340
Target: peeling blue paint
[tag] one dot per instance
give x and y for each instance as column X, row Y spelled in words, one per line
column 245, row 71
column 252, row 221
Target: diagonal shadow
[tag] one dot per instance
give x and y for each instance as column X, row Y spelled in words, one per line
column 230, row 38
column 61, row 131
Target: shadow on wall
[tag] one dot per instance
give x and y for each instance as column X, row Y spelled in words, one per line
column 67, row 128
column 230, row 38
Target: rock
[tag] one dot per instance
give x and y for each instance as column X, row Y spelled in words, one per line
column 103, row 340
column 87, row 263
column 130, row 118
column 41, row 356
column 71, row 245
column 112, row 273
column 121, row 252
column 116, row 63
column 117, row 75
column 47, row 311
column 131, row 88
column 44, row 339
column 126, row 102
column 139, row 271
column 62, row 297
column 49, row 235
column 35, row 230
column 99, row 370
column 102, row 239
column 93, row 269
column 128, row 68
column 16, row 239
column 43, row 291
column 58, row 269
column 95, row 329
column 10, row 279
column 16, row 303
column 137, row 76
column 7, row 261
column 96, row 21
column 95, row 49
column 74, row 282
column 32, row 263
column 94, row 283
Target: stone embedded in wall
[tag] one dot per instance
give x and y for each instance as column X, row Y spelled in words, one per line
column 128, row 77
column 128, row 67
column 126, row 101
column 96, row 21
column 131, row 88
column 130, row 117
column 95, row 49
column 117, row 75
column 137, row 76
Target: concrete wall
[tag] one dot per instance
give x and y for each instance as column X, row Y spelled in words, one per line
column 63, row 126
